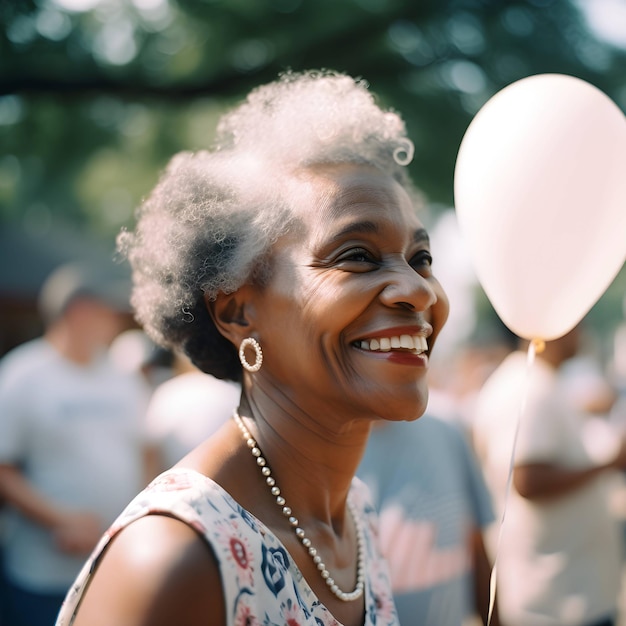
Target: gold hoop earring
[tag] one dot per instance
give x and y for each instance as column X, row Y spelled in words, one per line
column 254, row 344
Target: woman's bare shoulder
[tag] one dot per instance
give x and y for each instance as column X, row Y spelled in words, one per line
column 158, row 571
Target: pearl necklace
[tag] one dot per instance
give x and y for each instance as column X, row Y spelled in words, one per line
column 345, row 596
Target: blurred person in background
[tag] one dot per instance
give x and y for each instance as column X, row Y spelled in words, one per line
column 133, row 351
column 559, row 551
column 70, row 439
column 433, row 505
column 184, row 410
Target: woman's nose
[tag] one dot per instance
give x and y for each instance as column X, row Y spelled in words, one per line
column 408, row 289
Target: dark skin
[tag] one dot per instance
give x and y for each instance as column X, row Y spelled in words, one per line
column 357, row 266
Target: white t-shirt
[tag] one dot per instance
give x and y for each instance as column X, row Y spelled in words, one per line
column 558, row 561
column 75, row 433
column 187, row 409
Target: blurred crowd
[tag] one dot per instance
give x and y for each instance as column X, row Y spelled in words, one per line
column 517, row 464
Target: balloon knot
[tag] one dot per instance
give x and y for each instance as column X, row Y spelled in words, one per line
column 539, row 345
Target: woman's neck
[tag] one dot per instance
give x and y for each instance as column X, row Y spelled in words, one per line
column 313, row 453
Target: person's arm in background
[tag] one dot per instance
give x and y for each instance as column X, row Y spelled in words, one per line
column 483, row 517
column 535, row 481
column 74, row 531
column 482, row 580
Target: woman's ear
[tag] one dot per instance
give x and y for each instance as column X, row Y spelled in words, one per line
column 231, row 314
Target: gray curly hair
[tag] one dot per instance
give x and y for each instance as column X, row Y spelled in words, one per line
column 211, row 220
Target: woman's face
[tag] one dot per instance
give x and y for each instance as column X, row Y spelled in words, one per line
column 351, row 310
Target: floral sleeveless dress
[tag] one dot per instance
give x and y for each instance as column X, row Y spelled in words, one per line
column 262, row 583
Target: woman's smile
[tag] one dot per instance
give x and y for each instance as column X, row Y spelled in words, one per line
column 405, row 346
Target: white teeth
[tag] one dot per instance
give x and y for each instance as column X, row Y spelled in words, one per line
column 406, row 341
column 420, row 343
column 416, row 343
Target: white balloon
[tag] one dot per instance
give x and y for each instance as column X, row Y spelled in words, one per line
column 540, row 194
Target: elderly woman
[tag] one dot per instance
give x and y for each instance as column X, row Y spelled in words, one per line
column 289, row 257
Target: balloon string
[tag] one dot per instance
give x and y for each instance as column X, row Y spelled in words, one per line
column 536, row 346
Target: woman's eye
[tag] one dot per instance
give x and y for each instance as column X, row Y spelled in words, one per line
column 357, row 254
column 422, row 259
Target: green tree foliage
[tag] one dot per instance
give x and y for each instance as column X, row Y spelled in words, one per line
column 96, row 95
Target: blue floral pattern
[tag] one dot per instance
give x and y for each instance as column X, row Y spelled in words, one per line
column 262, row 584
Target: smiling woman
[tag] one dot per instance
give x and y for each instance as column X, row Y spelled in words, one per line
column 291, row 258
